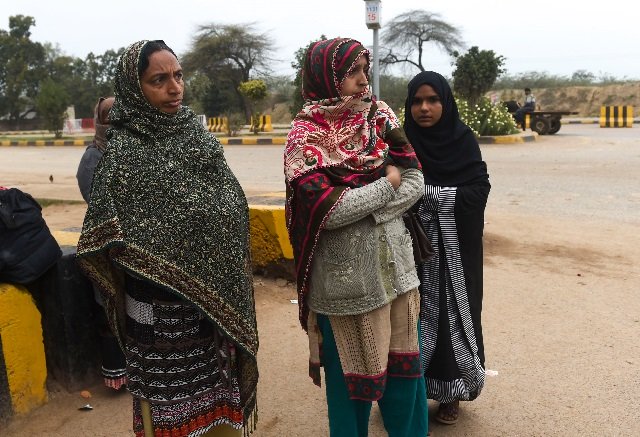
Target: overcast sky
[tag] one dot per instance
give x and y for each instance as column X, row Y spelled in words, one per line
column 555, row 36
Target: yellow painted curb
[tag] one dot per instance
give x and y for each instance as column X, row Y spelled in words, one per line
column 65, row 238
column 252, row 141
column 509, row 139
column 23, row 348
column 269, row 236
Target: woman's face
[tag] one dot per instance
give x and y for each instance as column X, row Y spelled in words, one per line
column 356, row 81
column 426, row 107
column 162, row 83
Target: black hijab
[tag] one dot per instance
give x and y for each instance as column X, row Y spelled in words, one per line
column 448, row 151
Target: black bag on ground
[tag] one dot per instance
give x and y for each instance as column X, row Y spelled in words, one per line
column 422, row 249
column 27, row 248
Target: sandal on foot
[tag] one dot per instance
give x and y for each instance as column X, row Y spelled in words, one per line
column 448, row 413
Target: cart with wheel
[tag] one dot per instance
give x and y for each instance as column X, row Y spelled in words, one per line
column 545, row 122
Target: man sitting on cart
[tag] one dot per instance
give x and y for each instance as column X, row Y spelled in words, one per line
column 529, row 106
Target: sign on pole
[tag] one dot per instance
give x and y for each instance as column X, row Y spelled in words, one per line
column 372, row 18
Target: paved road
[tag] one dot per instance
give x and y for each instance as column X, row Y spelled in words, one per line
column 583, row 171
column 561, row 312
column 574, row 172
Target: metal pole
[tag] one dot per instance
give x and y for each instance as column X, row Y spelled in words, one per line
column 376, row 65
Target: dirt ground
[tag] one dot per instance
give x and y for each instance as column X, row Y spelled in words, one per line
column 561, row 312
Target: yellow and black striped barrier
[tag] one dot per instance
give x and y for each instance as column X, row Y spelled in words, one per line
column 265, row 124
column 44, row 143
column 616, row 116
column 252, row 141
column 217, row 124
column 261, row 123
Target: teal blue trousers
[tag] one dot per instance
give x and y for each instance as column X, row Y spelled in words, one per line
column 403, row 405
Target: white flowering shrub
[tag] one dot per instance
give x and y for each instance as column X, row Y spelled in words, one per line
column 485, row 118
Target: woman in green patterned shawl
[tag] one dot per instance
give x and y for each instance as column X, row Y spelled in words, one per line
column 166, row 239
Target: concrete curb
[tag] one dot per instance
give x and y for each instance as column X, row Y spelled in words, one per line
column 23, row 362
column 235, row 141
column 44, row 143
column 253, row 141
column 249, row 141
column 523, row 137
column 271, row 251
column 22, row 355
column 264, row 140
column 594, row 121
column 590, row 121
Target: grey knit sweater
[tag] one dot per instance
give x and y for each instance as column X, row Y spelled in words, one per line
column 364, row 256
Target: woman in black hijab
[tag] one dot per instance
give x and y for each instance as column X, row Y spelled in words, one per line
column 452, row 214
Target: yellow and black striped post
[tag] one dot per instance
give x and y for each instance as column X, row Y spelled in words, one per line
column 266, row 124
column 616, row 116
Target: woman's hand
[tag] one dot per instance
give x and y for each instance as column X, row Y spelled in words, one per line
column 393, row 176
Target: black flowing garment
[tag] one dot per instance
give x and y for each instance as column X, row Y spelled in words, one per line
column 452, row 214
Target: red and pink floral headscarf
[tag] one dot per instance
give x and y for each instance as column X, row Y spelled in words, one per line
column 332, row 130
column 327, row 64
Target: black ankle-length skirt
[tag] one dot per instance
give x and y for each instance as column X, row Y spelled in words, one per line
column 452, row 350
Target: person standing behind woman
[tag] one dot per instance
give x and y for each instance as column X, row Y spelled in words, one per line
column 113, row 361
column 95, row 150
column 452, row 213
column 350, row 175
column 166, row 239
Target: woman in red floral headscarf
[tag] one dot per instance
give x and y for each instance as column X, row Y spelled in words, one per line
column 351, row 174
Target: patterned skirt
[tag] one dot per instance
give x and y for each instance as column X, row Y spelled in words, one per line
column 179, row 362
column 372, row 346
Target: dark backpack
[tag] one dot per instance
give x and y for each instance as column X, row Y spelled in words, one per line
column 27, row 248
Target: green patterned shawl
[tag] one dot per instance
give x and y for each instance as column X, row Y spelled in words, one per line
column 165, row 207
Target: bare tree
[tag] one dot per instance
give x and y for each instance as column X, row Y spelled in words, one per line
column 406, row 34
column 228, row 55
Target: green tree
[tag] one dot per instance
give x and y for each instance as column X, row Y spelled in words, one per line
column 228, row 54
column 84, row 80
column 476, row 72
column 583, row 77
column 52, row 103
column 21, row 67
column 297, row 64
column 394, row 90
column 195, row 91
column 255, row 91
column 406, row 34
column 280, row 89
